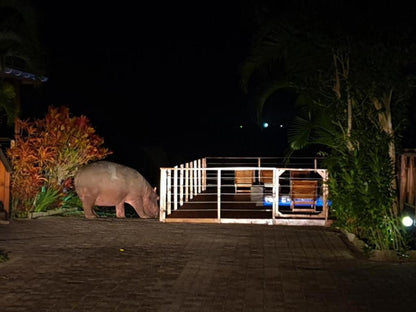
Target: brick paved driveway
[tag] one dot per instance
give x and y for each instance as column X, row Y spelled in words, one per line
column 74, row 264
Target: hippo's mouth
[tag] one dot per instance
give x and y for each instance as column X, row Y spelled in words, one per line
column 151, row 213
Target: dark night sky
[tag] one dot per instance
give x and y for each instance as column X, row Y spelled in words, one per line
column 158, row 81
column 151, row 76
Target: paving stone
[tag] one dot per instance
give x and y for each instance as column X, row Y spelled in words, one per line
column 73, row 264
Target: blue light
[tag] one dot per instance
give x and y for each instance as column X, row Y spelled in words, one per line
column 265, row 124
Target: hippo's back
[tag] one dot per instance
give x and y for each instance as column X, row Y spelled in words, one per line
column 104, row 175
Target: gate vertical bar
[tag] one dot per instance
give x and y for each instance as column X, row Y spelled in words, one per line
column 199, row 177
column 169, row 194
column 275, row 194
column 204, row 174
column 195, row 177
column 219, row 195
column 276, row 186
column 257, row 177
column 186, row 182
column 325, row 195
column 175, row 188
column 162, row 203
column 191, row 180
column 181, row 186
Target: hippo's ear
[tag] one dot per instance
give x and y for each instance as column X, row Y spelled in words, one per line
column 154, row 190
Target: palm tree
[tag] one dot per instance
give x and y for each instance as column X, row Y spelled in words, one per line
column 324, row 55
column 330, row 68
column 352, row 90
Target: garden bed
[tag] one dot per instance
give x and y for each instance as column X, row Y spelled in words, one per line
column 379, row 255
column 57, row 211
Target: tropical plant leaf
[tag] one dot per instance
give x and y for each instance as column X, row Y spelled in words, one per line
column 47, row 199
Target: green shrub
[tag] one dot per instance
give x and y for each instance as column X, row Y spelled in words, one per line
column 47, row 199
column 362, row 194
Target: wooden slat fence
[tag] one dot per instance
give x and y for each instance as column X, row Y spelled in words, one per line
column 407, row 183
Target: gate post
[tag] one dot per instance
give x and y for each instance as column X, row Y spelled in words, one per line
column 162, row 203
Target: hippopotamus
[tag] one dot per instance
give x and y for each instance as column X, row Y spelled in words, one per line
column 105, row 183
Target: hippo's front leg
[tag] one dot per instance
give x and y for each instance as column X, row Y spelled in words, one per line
column 120, row 212
column 87, row 205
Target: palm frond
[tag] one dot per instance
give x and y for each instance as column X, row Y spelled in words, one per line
column 299, row 133
column 264, row 93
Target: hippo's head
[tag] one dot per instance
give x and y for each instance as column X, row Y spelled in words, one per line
column 150, row 205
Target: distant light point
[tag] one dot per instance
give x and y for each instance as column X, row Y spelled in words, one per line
column 265, row 124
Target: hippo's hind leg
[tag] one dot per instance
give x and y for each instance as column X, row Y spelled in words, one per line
column 87, row 205
column 120, row 212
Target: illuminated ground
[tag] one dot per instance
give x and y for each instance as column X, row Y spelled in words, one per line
column 74, row 264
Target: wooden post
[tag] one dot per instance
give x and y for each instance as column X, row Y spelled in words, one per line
column 324, row 174
column 162, row 213
column 402, row 183
column 5, row 170
column 325, row 196
column 411, row 181
column 276, row 185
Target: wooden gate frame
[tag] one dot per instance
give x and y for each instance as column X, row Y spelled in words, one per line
column 5, row 170
column 407, row 186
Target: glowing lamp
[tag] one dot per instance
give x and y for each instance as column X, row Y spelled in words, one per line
column 407, row 221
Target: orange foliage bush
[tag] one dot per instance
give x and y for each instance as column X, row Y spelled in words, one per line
column 46, row 152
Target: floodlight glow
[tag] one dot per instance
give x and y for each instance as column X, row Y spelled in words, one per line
column 265, row 124
column 407, row 221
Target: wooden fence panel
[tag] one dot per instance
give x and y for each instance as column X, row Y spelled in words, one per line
column 407, row 186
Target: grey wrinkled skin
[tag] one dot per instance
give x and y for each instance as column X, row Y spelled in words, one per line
column 104, row 183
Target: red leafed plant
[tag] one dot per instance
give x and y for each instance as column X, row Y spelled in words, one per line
column 46, row 153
